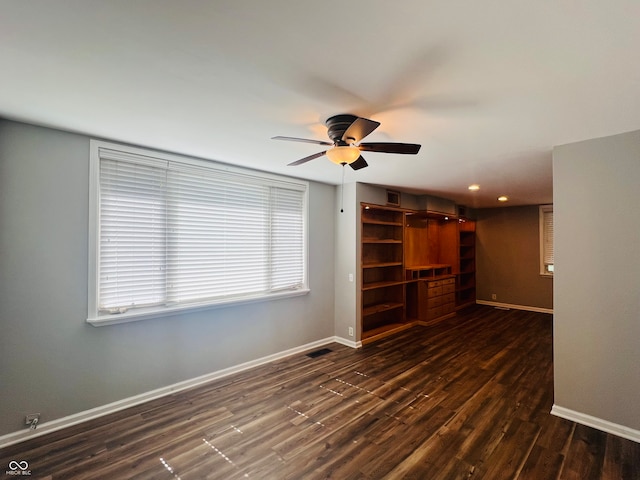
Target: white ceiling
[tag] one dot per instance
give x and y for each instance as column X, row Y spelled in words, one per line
column 487, row 88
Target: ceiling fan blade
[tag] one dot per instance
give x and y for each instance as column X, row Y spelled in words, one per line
column 305, row 140
column 359, row 163
column 406, row 148
column 360, row 128
column 306, row 159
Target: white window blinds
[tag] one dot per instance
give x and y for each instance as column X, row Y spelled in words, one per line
column 133, row 227
column 546, row 239
column 173, row 233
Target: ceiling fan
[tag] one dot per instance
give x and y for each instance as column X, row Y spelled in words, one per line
column 346, row 131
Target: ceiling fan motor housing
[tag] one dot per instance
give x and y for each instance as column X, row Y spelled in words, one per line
column 337, row 125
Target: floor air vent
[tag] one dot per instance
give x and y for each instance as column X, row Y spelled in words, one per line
column 317, row 353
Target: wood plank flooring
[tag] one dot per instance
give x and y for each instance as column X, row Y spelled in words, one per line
column 467, row 398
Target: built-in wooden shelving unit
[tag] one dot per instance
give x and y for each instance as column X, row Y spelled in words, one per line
column 466, row 280
column 383, row 285
column 417, row 267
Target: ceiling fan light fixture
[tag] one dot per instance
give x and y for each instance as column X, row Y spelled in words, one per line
column 341, row 155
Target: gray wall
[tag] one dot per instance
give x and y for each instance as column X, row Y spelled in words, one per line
column 597, row 260
column 346, row 262
column 51, row 361
column 508, row 258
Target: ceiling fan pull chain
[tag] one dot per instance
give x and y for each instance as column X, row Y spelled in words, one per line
column 342, row 191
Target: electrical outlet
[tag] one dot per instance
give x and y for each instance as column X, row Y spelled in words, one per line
column 351, row 331
column 494, row 296
column 30, row 417
column 351, row 277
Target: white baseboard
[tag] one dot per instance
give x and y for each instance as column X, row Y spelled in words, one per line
column 348, row 343
column 515, row 307
column 76, row 418
column 597, row 423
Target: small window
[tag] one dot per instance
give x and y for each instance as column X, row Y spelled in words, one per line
column 173, row 233
column 546, row 240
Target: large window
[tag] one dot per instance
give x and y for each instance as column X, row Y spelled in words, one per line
column 546, row 240
column 172, row 233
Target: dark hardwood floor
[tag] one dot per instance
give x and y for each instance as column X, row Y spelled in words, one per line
column 467, row 398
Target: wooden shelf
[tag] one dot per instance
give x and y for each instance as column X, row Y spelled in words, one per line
column 372, row 286
column 377, row 333
column 377, row 215
column 380, row 222
column 378, row 265
column 381, row 307
column 378, row 240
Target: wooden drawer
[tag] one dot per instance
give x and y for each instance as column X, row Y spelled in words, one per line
column 434, row 313
column 434, row 283
column 434, row 292
column 449, row 281
column 440, row 310
column 447, row 308
column 440, row 300
column 449, row 288
column 435, row 301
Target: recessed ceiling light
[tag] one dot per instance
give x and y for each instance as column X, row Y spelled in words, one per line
column 503, row 198
column 474, row 187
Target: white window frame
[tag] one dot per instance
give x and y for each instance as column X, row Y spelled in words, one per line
column 543, row 211
column 97, row 318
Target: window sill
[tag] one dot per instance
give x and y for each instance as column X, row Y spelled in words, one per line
column 547, row 275
column 149, row 313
